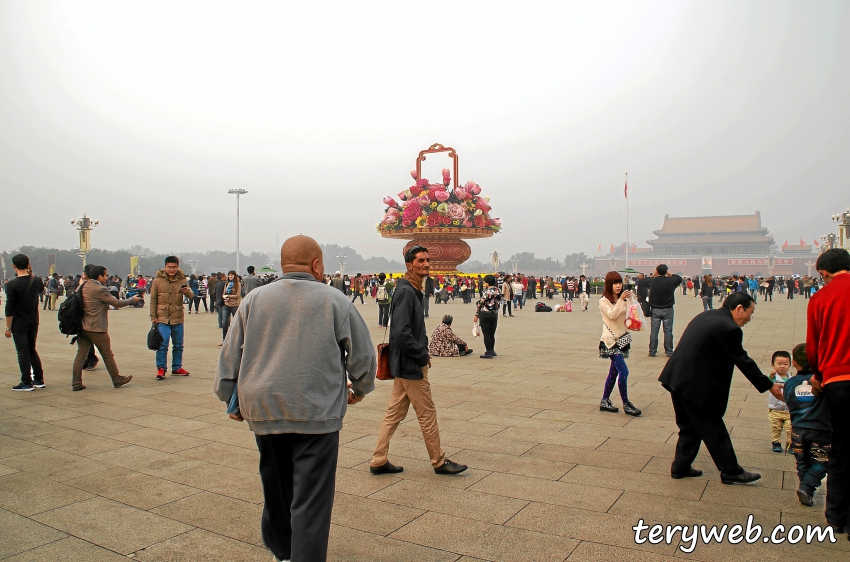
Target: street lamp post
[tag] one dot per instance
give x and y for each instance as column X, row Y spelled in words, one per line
column 341, row 263
column 584, row 267
column 85, row 225
column 514, row 263
column 829, row 240
column 843, row 221
column 238, row 193
column 770, row 261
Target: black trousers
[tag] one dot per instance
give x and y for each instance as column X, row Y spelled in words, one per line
column 837, row 396
column 28, row 359
column 299, row 475
column 697, row 426
column 488, row 321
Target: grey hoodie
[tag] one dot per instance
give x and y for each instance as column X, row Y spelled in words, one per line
column 289, row 346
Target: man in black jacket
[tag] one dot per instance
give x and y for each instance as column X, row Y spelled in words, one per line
column 662, row 289
column 22, row 322
column 429, row 292
column 409, row 364
column 642, row 290
column 699, row 376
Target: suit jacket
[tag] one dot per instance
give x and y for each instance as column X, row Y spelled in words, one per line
column 429, row 286
column 408, row 339
column 700, row 370
column 643, row 289
column 96, row 301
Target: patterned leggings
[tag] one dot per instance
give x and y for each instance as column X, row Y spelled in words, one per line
column 619, row 373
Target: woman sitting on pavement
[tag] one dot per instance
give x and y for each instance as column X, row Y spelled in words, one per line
column 444, row 342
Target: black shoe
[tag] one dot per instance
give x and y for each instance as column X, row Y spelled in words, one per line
column 511, row 315
column 76, row 388
column 629, row 409
column 493, row 353
column 23, row 387
column 743, row 478
column 450, row 467
column 387, row 468
column 777, row 448
column 468, row 351
column 486, row 356
column 651, row 355
column 38, row 384
column 692, row 473
column 606, row 406
column 90, row 366
column 805, row 497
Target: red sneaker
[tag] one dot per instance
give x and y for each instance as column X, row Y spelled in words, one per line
column 181, row 371
column 160, row 374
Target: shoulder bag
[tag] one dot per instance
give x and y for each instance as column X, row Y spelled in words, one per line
column 384, row 373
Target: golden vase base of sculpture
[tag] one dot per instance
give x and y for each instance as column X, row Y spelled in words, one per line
column 445, row 245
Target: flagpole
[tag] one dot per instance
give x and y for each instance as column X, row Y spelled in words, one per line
column 627, row 220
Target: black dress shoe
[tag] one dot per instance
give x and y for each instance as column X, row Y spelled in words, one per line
column 450, row 467
column 388, row 468
column 805, row 497
column 743, row 478
column 691, row 473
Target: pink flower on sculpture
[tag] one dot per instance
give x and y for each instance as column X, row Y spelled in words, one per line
column 412, row 211
column 434, row 220
column 414, row 174
column 479, row 221
column 475, row 190
column 415, row 190
column 441, row 194
column 467, row 223
column 496, row 222
column 461, row 194
column 424, row 200
column 446, row 219
column 406, row 223
column 483, row 205
column 422, row 182
column 456, row 211
column 390, row 201
column 447, row 177
column 390, row 220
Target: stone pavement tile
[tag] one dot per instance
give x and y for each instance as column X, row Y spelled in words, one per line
column 744, row 495
column 57, row 465
column 547, row 491
column 346, row 436
column 359, row 413
column 180, row 397
column 69, row 548
column 132, row 488
column 239, row 458
column 594, row 552
column 186, row 411
column 27, row 495
column 10, row 446
column 592, row 457
column 501, row 443
column 687, row 488
column 540, row 403
column 199, row 544
column 480, row 408
column 424, row 472
column 111, row 524
column 349, row 458
column 451, row 501
column 525, row 465
column 725, row 551
column 96, row 425
column 110, row 411
column 662, row 509
column 173, row 424
column 506, row 420
column 481, row 428
column 401, row 447
column 238, row 436
column 226, row 516
column 526, row 435
column 815, row 518
column 158, row 439
column 371, row 515
column 600, row 418
column 630, row 433
column 23, row 428
column 352, row 545
column 769, row 478
column 367, row 427
column 221, row 480
column 77, row 443
column 4, row 470
column 360, row 482
column 21, row 534
column 581, row 524
column 142, row 459
column 484, row 540
column 43, row 413
column 618, row 445
column 766, row 461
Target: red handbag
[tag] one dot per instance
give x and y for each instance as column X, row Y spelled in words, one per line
column 383, row 373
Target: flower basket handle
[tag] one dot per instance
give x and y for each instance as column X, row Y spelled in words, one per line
column 434, row 149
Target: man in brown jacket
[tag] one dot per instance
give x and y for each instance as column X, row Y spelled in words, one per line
column 96, row 301
column 168, row 289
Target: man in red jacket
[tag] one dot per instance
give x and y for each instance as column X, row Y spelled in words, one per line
column 828, row 350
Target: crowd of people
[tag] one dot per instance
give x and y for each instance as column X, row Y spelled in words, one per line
column 274, row 327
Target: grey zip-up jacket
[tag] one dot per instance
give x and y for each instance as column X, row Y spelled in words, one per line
column 292, row 345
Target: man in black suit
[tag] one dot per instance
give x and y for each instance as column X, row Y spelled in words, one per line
column 429, row 292
column 698, row 377
column 643, row 294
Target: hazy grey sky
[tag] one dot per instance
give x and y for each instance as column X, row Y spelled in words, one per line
column 144, row 114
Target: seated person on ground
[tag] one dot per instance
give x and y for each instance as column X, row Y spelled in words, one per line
column 444, row 342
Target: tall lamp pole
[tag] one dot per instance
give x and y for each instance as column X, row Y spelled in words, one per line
column 238, row 193
column 341, row 263
column 85, row 225
column 843, row 221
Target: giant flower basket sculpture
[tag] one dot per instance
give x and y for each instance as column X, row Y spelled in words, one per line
column 439, row 218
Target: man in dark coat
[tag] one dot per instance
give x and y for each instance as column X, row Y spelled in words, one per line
column 698, row 377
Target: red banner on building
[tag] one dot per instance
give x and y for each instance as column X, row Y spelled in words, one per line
column 655, row 263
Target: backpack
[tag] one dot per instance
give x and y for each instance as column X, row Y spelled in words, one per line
column 542, row 307
column 70, row 315
column 382, row 294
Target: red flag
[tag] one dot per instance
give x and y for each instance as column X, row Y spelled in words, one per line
column 802, row 242
column 599, row 249
column 785, row 245
column 634, row 248
column 612, row 247
column 626, row 190
column 816, row 243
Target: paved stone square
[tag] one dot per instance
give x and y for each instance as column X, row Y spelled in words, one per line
column 156, row 471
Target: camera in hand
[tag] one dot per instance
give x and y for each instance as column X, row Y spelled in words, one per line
column 628, row 287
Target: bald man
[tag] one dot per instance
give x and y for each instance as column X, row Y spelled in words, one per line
column 300, row 353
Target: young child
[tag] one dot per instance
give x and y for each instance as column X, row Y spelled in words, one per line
column 777, row 412
column 811, row 437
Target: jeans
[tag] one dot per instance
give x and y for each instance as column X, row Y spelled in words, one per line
column 197, row 300
column 661, row 316
column 226, row 313
column 488, row 321
column 355, row 298
column 707, row 303
column 175, row 333
column 812, row 450
column 383, row 315
column 28, row 359
column 755, row 294
column 619, row 373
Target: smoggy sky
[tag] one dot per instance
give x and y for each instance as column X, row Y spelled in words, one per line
column 144, row 114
